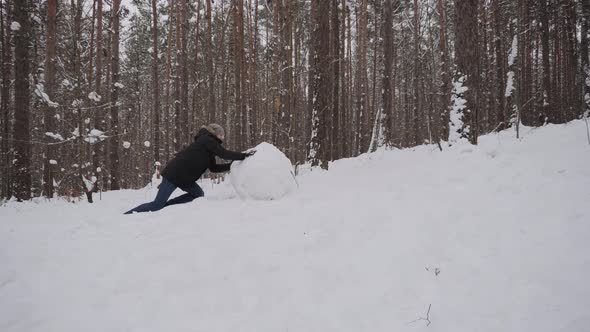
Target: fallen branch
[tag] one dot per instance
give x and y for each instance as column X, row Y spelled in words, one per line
column 427, row 319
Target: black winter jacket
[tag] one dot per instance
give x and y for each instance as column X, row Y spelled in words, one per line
column 189, row 164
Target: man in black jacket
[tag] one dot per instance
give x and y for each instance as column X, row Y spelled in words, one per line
column 188, row 165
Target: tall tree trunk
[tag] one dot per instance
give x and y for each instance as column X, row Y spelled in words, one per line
column 341, row 140
column 212, row 116
column 417, row 94
column 467, row 62
column 336, row 63
column 238, row 62
column 376, row 115
column 524, row 63
column 572, row 88
column 388, row 70
column 178, row 132
column 444, row 96
column 498, row 14
column 319, row 86
column 311, row 62
column 546, row 79
column 168, row 80
column 49, row 114
column 184, row 118
column 5, row 98
column 254, row 117
column 286, row 77
column 22, row 134
column 245, row 105
column 77, row 184
column 114, row 140
column 197, row 105
column 362, row 101
column 584, row 50
column 351, row 110
column 156, row 83
column 97, row 147
column 89, row 149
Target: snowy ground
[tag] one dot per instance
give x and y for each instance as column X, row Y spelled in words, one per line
column 492, row 238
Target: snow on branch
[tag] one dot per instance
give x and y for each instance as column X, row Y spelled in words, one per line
column 40, row 92
column 54, row 136
column 95, row 136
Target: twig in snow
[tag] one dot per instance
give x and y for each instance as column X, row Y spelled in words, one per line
column 427, row 319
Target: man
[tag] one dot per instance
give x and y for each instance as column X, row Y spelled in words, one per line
column 188, row 165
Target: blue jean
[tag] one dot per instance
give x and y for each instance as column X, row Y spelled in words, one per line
column 166, row 189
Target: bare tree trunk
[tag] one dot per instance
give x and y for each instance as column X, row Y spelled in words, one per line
column 209, row 60
column 319, row 86
column 22, row 135
column 336, row 131
column 417, row 94
column 341, row 138
column 6, row 79
column 49, row 114
column 444, row 93
column 286, row 77
column 311, row 62
column 178, row 132
column 254, row 117
column 467, row 62
column 523, row 94
column 363, row 111
column 197, row 105
column 77, row 184
column 245, row 105
column 238, row 60
column 105, row 149
column 376, row 115
column 96, row 152
column 114, row 140
column 89, row 149
column 546, row 79
column 572, row 89
column 584, row 51
column 499, row 49
column 184, row 119
column 168, row 79
column 388, row 102
column 156, row 83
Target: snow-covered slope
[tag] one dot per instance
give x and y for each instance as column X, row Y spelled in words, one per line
column 490, row 238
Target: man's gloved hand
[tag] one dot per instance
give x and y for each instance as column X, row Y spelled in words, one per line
column 250, row 153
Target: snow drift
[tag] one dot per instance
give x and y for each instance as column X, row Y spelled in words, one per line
column 267, row 175
column 490, row 238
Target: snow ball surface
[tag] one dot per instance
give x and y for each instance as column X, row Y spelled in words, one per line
column 267, row 175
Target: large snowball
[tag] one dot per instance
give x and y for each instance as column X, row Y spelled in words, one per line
column 267, row 175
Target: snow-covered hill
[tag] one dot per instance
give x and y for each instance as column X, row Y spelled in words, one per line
column 490, row 238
